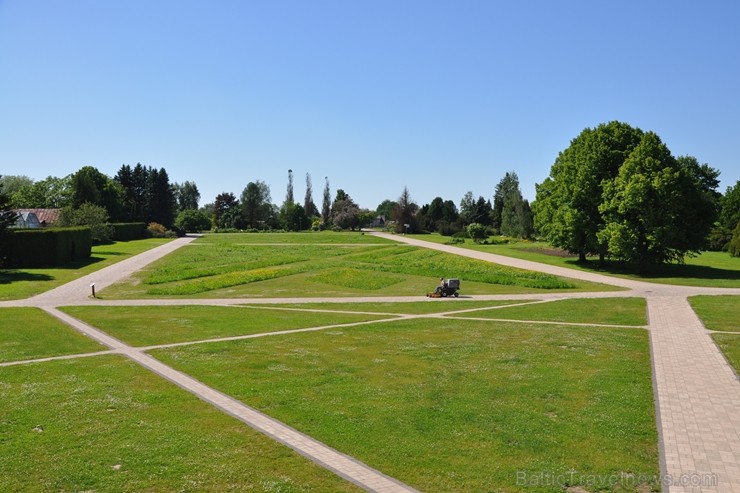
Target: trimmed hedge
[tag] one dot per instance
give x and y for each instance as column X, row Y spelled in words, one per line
column 48, row 247
column 129, row 231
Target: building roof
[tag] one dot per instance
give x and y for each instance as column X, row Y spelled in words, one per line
column 47, row 217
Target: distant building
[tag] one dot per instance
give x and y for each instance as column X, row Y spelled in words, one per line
column 36, row 218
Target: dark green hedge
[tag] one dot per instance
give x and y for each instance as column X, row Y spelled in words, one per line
column 128, row 231
column 49, row 247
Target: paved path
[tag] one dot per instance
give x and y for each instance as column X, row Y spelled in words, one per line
column 697, row 392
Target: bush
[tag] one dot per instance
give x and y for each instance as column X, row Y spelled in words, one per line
column 734, row 246
column 719, row 238
column 94, row 216
column 156, row 230
column 193, row 221
column 477, row 232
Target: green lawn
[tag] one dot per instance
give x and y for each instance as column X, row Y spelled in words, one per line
column 729, row 344
column 611, row 311
column 105, row 424
column 432, row 305
column 467, row 406
column 30, row 333
column 233, row 265
column 721, row 313
column 23, row 283
column 153, row 325
column 718, row 312
column 318, row 238
column 714, row 269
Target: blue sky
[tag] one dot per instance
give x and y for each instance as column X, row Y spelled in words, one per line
column 443, row 97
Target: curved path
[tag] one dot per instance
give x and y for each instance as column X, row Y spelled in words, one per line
column 697, row 392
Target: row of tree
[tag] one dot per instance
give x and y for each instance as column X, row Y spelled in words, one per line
column 616, row 192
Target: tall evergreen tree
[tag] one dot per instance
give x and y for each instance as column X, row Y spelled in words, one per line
column 326, row 203
column 309, row 206
column 508, row 184
column 289, row 195
column 160, row 199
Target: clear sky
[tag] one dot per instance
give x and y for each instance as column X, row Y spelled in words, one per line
column 443, row 97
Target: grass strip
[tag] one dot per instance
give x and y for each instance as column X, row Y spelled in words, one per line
column 718, row 312
column 153, row 325
column 30, row 333
column 729, row 344
column 430, row 306
column 611, row 311
column 105, row 424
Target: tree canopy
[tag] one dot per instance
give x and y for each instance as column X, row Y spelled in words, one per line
column 617, row 191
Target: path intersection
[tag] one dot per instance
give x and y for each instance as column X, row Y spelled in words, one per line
column 697, row 392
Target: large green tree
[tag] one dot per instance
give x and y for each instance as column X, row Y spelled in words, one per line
column 657, row 209
column 566, row 210
column 345, row 213
column 729, row 216
column 226, row 211
column 187, row 196
column 256, row 204
column 49, row 193
column 91, row 186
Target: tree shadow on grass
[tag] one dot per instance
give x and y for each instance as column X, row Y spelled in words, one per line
column 664, row 271
column 11, row 276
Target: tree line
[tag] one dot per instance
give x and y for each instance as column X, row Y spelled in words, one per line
column 615, row 192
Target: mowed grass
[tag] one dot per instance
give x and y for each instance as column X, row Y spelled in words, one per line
column 233, row 265
column 721, row 313
column 729, row 344
column 23, row 283
column 153, row 325
column 718, row 312
column 610, row 311
column 30, row 333
column 105, row 424
column 713, row 269
column 453, row 405
column 430, row 306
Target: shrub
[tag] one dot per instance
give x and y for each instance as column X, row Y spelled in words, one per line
column 156, row 230
column 477, row 232
column 94, row 216
column 719, row 238
column 734, row 247
column 193, row 221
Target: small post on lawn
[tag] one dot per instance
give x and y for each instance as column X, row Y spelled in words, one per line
column 92, row 286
